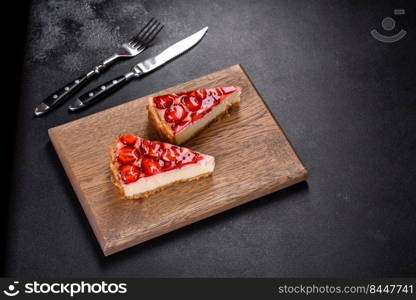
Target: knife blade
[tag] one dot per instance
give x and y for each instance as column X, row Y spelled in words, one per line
column 138, row 70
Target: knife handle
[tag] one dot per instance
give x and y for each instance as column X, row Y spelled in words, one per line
column 69, row 89
column 100, row 92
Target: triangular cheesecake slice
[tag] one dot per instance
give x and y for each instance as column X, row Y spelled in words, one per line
column 141, row 167
column 178, row 117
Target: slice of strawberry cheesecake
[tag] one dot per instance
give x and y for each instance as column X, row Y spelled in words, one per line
column 142, row 167
column 178, row 117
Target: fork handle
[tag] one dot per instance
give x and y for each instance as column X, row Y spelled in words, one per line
column 69, row 89
column 101, row 91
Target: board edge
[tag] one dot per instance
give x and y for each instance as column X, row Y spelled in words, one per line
column 300, row 176
column 80, row 195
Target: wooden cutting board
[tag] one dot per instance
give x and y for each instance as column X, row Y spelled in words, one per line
column 253, row 158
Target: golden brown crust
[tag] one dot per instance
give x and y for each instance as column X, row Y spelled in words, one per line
column 115, row 178
column 163, row 129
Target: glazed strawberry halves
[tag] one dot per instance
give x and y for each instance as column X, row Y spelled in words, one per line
column 142, row 167
column 178, row 117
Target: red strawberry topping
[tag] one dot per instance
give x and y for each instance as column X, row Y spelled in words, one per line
column 184, row 108
column 164, row 101
column 209, row 102
column 175, row 113
column 128, row 139
column 150, row 166
column 129, row 173
column 145, row 147
column 155, row 149
column 169, row 154
column 201, row 93
column 188, row 157
column 219, row 91
column 127, row 155
column 176, row 150
column 168, row 165
column 192, row 102
column 148, row 158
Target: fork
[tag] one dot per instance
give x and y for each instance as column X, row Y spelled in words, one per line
column 137, row 44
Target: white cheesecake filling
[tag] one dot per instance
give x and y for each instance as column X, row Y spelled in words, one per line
column 183, row 135
column 146, row 184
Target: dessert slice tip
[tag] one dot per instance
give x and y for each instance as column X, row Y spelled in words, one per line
column 178, row 117
column 141, row 167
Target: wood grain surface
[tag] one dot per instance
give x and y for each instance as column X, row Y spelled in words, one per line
column 253, row 158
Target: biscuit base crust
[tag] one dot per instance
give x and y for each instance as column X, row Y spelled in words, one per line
column 162, row 128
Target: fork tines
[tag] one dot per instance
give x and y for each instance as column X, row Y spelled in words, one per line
column 147, row 34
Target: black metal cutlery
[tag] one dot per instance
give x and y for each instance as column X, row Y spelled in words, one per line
column 138, row 70
column 133, row 47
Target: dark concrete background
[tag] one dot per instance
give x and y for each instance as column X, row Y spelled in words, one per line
column 345, row 100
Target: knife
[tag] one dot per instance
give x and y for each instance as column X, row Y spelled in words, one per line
column 137, row 71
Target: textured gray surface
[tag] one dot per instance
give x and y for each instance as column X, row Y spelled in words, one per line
column 346, row 101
